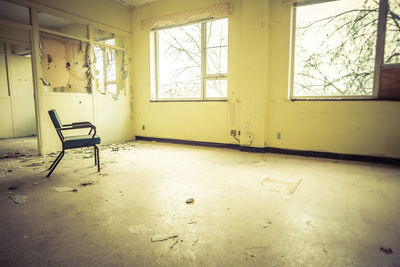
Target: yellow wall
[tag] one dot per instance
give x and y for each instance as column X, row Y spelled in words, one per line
column 258, row 71
column 247, row 80
column 351, row 127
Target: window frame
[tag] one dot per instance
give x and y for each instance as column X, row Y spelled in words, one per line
column 155, row 68
column 379, row 54
column 106, row 82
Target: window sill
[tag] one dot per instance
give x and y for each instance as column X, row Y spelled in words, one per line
column 342, row 99
column 190, row 100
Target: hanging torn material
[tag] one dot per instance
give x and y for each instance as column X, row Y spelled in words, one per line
column 65, row 64
column 110, row 70
column 215, row 11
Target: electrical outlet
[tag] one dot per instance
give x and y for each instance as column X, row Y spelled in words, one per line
column 143, row 127
column 233, row 132
column 278, row 135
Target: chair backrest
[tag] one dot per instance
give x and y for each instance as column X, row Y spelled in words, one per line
column 55, row 119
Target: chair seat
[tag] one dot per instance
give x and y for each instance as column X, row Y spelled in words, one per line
column 80, row 141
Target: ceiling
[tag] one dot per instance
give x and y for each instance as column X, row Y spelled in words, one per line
column 135, row 3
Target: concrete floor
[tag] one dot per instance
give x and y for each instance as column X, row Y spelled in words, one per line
column 22, row 145
column 249, row 209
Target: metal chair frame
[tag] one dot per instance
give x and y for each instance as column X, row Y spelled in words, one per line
column 74, row 126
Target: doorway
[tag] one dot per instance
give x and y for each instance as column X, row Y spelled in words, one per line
column 18, row 133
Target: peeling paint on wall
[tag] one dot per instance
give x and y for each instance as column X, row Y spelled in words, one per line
column 65, row 65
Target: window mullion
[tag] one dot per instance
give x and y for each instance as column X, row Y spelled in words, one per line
column 203, row 59
column 215, row 76
column 292, row 54
column 103, row 51
column 380, row 44
column 157, row 70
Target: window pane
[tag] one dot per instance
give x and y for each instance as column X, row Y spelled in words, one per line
column 392, row 42
column 14, row 12
column 99, row 68
column 105, row 69
column 62, row 25
column 216, row 88
column 217, row 46
column 20, row 50
column 335, row 48
column 111, row 64
column 217, row 33
column 217, row 59
column 179, row 62
column 112, row 88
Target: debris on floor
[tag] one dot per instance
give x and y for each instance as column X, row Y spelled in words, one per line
column 267, row 224
column 249, row 254
column 86, row 183
column 386, row 250
column 162, row 237
column 139, row 229
column 65, row 189
column 11, row 155
column 192, row 222
column 176, row 242
column 264, row 181
column 118, row 147
column 36, row 183
column 281, row 185
column 19, row 199
column 35, row 164
column 110, row 161
column 195, row 242
column 13, row 187
column 4, row 173
column 190, row 201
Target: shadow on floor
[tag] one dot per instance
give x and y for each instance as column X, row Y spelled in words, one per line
column 21, row 145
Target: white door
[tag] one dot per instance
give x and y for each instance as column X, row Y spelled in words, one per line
column 17, row 104
column 22, row 96
column 6, row 122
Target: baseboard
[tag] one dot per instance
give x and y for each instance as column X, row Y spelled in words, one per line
column 187, row 142
column 274, row 150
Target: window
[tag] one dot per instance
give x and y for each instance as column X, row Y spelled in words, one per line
column 392, row 43
column 105, row 68
column 110, row 69
column 337, row 47
column 190, row 62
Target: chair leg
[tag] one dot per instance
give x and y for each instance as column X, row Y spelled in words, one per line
column 98, row 159
column 55, row 163
column 95, row 155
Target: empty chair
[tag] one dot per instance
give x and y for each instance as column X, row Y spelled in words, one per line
column 68, row 142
